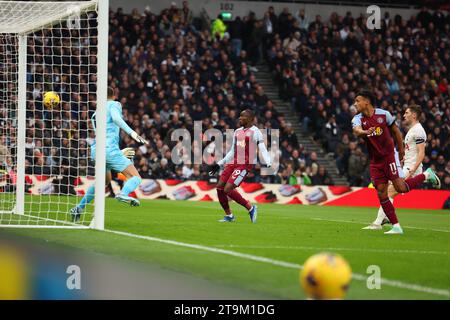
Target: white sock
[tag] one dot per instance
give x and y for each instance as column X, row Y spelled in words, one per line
column 381, row 215
column 396, row 225
column 426, row 174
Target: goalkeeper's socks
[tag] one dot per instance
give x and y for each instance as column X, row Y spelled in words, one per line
column 88, row 197
column 131, row 185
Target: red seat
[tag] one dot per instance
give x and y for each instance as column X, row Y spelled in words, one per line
column 337, row 190
column 250, row 187
column 206, row 198
column 173, row 182
column 295, row 200
column 205, row 185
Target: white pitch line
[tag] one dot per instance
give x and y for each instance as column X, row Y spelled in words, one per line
column 320, row 219
column 332, row 249
column 356, row 222
column 332, row 220
column 356, row 276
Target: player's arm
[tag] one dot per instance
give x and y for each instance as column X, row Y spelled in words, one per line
column 420, row 144
column 357, row 127
column 398, row 139
column 360, row 132
column 118, row 120
column 229, row 156
column 262, row 147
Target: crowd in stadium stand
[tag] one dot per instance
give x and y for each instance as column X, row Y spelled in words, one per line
column 320, row 65
column 170, row 71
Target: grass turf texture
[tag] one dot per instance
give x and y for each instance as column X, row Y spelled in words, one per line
column 284, row 233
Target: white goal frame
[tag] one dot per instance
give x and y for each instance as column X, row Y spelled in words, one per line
column 102, row 8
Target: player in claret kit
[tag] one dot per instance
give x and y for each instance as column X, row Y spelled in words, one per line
column 238, row 162
column 379, row 130
column 414, row 154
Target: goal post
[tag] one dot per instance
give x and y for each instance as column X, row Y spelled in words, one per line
column 45, row 161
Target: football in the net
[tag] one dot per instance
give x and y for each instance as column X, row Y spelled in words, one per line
column 51, row 99
column 326, row 276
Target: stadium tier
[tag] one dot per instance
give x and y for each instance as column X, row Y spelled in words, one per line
column 234, row 155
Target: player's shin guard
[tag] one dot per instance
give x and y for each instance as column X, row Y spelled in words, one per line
column 131, row 185
column 88, row 197
column 236, row 196
column 415, row 182
column 389, row 210
column 223, row 199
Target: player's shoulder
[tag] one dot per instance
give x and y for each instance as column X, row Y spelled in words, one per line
column 418, row 129
column 380, row 111
column 390, row 119
column 255, row 129
column 114, row 104
column 257, row 134
column 357, row 120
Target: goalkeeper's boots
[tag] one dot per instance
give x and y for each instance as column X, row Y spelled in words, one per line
column 395, row 230
column 433, row 178
column 132, row 201
column 76, row 213
column 228, row 218
column 253, row 213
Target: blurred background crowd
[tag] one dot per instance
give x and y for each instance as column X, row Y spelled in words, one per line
column 171, row 69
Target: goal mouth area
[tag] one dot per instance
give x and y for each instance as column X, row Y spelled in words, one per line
column 59, row 47
column 37, row 15
column 53, row 212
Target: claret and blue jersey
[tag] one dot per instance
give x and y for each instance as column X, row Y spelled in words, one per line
column 380, row 142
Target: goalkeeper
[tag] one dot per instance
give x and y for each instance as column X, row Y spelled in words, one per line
column 116, row 159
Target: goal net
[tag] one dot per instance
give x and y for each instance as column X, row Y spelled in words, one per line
column 44, row 150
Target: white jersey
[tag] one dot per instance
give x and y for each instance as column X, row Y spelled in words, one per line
column 416, row 135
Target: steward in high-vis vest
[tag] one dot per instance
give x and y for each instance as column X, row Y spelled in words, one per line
column 218, row 28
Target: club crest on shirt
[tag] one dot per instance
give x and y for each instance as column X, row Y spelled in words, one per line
column 380, row 120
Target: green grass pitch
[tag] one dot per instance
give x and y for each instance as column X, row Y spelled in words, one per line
column 418, row 261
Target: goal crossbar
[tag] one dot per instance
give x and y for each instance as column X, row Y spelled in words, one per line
column 15, row 26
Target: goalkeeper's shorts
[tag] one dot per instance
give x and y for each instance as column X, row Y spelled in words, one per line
column 115, row 160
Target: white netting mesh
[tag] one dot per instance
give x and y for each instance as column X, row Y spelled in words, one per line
column 61, row 57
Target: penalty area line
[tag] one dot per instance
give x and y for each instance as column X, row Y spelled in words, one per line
column 279, row 263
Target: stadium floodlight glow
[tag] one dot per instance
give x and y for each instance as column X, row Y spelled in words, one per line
column 62, row 48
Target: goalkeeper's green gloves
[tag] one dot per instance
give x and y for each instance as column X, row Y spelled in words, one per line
column 128, row 152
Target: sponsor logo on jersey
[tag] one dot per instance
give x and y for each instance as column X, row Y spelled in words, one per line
column 240, row 143
column 378, row 132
